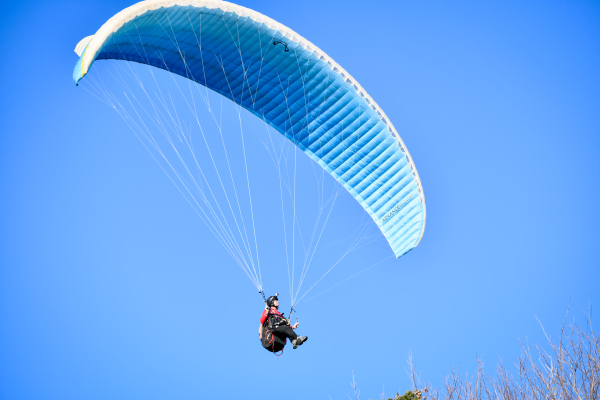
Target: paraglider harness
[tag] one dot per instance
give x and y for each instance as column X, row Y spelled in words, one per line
column 272, row 342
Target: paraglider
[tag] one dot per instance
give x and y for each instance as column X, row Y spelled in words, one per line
column 275, row 329
column 286, row 81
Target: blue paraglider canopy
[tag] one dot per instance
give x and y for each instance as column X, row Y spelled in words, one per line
column 285, row 80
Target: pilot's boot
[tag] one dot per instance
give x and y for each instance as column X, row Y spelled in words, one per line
column 299, row 340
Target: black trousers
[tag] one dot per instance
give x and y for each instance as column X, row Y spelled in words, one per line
column 284, row 332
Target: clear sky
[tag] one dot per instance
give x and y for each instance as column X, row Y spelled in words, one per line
column 111, row 286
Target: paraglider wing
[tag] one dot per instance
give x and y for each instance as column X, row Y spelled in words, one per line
column 285, row 80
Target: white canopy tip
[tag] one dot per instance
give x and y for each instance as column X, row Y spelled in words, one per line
column 82, row 44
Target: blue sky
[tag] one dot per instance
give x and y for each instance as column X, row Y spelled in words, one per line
column 111, row 286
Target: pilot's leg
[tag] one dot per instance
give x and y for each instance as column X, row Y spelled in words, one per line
column 288, row 332
column 285, row 332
